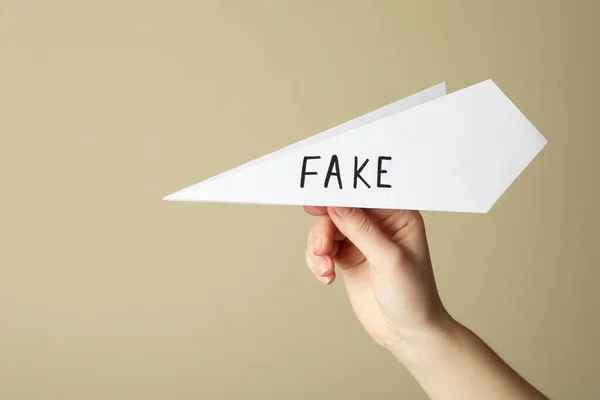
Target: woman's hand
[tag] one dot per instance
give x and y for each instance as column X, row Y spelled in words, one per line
column 383, row 258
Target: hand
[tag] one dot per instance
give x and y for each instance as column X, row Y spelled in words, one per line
column 384, row 260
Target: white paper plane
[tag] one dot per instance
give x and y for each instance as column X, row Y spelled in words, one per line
column 430, row 151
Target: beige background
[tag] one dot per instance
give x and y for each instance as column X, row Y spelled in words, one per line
column 108, row 292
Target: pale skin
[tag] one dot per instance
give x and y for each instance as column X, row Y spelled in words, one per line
column 383, row 258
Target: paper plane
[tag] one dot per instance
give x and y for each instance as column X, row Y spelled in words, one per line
column 430, row 151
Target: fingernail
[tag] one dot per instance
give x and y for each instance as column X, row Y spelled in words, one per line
column 320, row 265
column 317, row 243
column 342, row 212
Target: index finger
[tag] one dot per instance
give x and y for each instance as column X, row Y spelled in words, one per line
column 315, row 210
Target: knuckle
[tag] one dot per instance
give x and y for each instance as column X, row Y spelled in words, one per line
column 411, row 223
column 416, row 220
column 363, row 224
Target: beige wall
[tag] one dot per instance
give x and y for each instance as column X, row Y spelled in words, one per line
column 108, row 292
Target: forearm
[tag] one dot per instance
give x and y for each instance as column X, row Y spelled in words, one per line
column 451, row 362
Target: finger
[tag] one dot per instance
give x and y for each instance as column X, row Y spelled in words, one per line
column 329, row 279
column 366, row 235
column 315, row 210
column 404, row 227
column 348, row 256
column 320, row 266
column 321, row 236
column 338, row 236
column 337, row 246
column 321, row 249
column 401, row 224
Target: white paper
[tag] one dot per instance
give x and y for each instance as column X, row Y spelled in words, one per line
column 457, row 152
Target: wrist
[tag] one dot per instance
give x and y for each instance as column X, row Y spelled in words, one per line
column 421, row 345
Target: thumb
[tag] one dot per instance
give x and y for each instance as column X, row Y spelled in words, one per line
column 365, row 234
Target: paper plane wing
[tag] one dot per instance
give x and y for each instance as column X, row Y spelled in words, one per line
column 430, row 151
